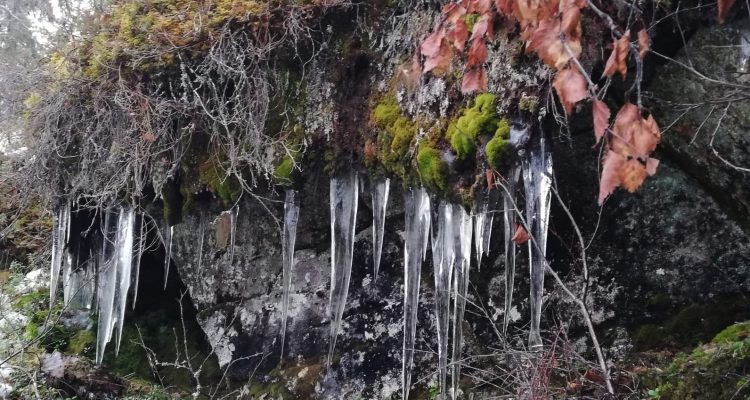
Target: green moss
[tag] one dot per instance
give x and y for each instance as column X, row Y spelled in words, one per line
column 734, row 333
column 497, row 149
column 432, row 169
column 82, row 342
column 471, row 19
column 478, row 120
column 283, row 171
column 387, row 113
column 716, row 370
column 395, row 136
column 227, row 188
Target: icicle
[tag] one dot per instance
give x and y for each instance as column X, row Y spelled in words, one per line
column 60, row 234
column 442, row 262
column 70, row 278
column 509, row 222
column 138, row 256
column 168, row 254
column 289, row 235
column 379, row 204
column 462, row 249
column 537, row 173
column 482, row 218
column 107, row 286
column 416, row 237
column 202, row 229
column 124, row 268
column 89, row 287
column 233, row 214
column 343, row 198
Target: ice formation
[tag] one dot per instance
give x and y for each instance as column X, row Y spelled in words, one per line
column 344, row 195
column 289, row 235
column 416, row 237
column 442, row 261
column 509, row 225
column 380, row 189
column 462, row 247
column 537, row 177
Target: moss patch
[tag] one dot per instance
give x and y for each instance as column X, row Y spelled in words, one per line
column 432, row 169
column 717, row 370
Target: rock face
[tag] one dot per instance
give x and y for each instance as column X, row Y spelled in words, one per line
column 709, row 139
column 667, row 261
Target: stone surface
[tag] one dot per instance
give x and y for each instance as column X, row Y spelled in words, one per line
column 681, row 241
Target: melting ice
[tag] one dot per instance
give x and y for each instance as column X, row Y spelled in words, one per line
column 343, row 197
column 380, row 190
column 416, row 237
column 289, row 234
column 537, row 176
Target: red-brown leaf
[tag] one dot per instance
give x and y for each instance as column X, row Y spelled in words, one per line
column 724, row 6
column 618, row 60
column 478, row 6
column 651, row 165
column 454, row 12
column 477, row 53
column 149, row 137
column 441, row 61
column 571, row 87
column 490, row 175
column 601, row 118
column 646, row 136
column 431, row 46
column 482, row 27
column 644, row 43
column 611, row 166
column 475, row 80
column 571, row 19
column 504, row 7
column 521, row 236
column 458, row 35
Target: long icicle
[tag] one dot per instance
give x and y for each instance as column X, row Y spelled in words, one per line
column 60, row 232
column 138, row 257
column 417, row 228
column 168, row 254
column 482, row 226
column 442, row 262
column 462, row 247
column 233, row 215
column 509, row 224
column 107, row 285
column 537, row 175
column 380, row 191
column 124, row 270
column 344, row 195
column 289, row 235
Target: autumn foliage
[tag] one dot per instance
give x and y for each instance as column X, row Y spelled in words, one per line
column 552, row 30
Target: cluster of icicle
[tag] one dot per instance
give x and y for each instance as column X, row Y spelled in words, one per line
column 102, row 279
column 106, row 276
column 451, row 239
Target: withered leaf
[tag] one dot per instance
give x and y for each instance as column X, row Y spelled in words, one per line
column 601, row 118
column 644, row 43
column 477, row 53
column 724, row 6
column 571, row 87
column 475, row 80
column 618, row 60
column 521, row 236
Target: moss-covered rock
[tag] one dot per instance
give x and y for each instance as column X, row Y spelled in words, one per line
column 717, row 370
column 432, row 169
